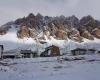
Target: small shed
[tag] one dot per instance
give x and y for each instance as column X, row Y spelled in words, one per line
column 28, row 54
column 1, row 50
column 10, row 54
column 79, row 51
column 51, row 51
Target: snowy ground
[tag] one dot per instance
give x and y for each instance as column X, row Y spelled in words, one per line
column 51, row 68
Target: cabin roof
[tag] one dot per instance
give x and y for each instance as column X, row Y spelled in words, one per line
column 53, row 46
column 91, row 49
column 49, row 48
column 26, row 51
column 79, row 49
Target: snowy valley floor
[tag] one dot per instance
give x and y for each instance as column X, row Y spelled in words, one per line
column 51, row 68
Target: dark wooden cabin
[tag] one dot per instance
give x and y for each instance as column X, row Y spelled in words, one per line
column 78, row 51
column 51, row 51
column 28, row 53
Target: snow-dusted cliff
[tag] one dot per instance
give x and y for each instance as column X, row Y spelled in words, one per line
column 66, row 32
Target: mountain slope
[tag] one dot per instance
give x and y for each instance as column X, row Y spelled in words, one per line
column 65, row 32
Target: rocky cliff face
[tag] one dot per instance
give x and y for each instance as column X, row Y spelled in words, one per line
column 23, row 32
column 96, row 33
column 75, row 35
column 86, row 34
column 58, row 27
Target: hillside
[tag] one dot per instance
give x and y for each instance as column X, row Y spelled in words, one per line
column 66, row 32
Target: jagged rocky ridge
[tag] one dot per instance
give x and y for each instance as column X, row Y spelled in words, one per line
column 58, row 27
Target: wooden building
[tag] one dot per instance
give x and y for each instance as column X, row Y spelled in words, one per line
column 1, row 51
column 51, row 51
column 28, row 54
column 78, row 51
column 10, row 54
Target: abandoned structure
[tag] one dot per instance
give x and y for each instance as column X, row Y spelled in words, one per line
column 51, row 51
column 48, row 52
column 1, row 51
column 10, row 54
column 78, row 51
column 28, row 54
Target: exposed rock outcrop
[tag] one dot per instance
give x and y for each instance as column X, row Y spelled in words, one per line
column 23, row 32
column 88, row 22
column 75, row 35
column 59, row 27
column 33, row 33
column 61, row 34
column 87, row 35
column 96, row 33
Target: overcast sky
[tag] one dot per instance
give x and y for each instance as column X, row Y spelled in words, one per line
column 13, row 9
